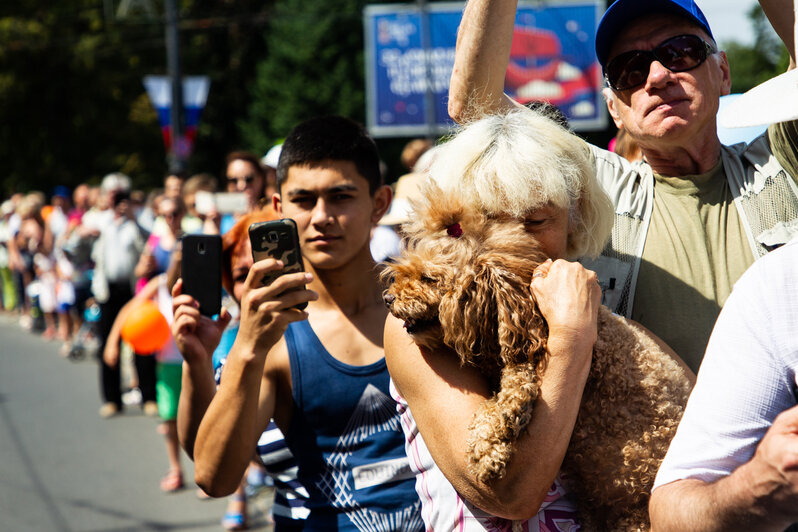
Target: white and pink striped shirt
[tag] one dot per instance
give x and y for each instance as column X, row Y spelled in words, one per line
column 443, row 509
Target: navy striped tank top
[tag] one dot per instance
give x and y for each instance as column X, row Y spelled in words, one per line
column 346, row 436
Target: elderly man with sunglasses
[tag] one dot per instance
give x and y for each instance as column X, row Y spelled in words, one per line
column 694, row 214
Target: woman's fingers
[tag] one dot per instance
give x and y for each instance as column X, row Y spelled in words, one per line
column 177, row 289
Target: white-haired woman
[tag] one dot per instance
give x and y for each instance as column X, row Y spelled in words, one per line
column 525, row 165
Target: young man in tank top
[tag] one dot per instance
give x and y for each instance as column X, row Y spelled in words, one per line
column 320, row 373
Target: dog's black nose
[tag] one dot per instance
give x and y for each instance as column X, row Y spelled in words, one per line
column 388, row 298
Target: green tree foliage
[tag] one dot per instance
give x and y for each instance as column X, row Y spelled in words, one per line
column 65, row 95
column 72, row 103
column 313, row 66
column 752, row 64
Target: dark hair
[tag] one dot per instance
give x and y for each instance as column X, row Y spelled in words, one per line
column 331, row 138
column 248, row 157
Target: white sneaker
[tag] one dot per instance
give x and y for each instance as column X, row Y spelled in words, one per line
column 131, row 397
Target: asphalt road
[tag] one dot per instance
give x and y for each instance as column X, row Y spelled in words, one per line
column 64, row 469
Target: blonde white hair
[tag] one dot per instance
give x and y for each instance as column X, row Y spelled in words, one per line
column 517, row 162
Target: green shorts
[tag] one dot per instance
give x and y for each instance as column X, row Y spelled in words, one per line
column 168, row 378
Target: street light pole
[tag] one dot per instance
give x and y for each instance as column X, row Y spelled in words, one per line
column 175, row 158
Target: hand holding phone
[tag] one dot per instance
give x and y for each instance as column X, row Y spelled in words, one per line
column 279, row 240
column 202, row 271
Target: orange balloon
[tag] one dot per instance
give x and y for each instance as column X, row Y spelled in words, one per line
column 145, row 328
column 46, row 211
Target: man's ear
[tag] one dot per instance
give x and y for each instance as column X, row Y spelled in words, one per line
column 277, row 204
column 381, row 201
column 610, row 99
column 725, row 87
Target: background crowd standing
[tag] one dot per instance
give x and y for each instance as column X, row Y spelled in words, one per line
column 304, row 396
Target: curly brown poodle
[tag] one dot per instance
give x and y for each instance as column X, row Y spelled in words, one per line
column 463, row 282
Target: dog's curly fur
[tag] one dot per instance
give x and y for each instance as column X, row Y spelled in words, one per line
column 470, row 292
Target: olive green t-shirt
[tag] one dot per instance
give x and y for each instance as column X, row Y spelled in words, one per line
column 696, row 249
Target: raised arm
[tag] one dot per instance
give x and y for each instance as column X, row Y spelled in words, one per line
column 781, row 15
column 111, row 352
column 443, row 397
column 481, row 57
column 247, row 395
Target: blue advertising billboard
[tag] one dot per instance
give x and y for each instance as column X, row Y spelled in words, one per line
column 552, row 59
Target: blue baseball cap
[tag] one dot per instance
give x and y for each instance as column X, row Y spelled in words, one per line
column 622, row 12
column 61, row 191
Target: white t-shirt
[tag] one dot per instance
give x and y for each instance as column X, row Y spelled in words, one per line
column 443, row 509
column 747, row 377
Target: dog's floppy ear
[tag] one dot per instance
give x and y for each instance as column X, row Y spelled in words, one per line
column 465, row 313
column 490, row 318
column 498, row 311
column 520, row 329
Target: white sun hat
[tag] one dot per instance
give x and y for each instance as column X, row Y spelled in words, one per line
column 775, row 100
column 407, row 187
column 272, row 156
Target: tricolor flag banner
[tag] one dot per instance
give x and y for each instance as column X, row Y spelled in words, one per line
column 195, row 94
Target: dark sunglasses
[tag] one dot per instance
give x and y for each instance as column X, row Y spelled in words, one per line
column 247, row 179
column 677, row 54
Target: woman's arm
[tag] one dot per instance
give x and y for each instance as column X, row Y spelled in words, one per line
column 481, row 57
column 146, row 264
column 781, row 15
column 443, row 396
column 111, row 352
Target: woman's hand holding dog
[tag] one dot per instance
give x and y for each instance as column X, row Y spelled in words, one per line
column 568, row 296
column 267, row 310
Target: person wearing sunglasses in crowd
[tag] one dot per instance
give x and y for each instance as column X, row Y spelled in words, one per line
column 693, row 215
column 243, row 172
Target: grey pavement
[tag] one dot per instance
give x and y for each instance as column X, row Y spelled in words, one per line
column 64, row 469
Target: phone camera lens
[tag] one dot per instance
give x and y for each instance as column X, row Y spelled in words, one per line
column 273, row 237
column 201, row 248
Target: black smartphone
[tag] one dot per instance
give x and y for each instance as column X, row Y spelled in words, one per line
column 202, row 271
column 279, row 240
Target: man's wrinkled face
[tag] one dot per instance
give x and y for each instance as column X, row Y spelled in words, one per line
column 670, row 107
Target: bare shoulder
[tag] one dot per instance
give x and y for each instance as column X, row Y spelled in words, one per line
column 401, row 353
